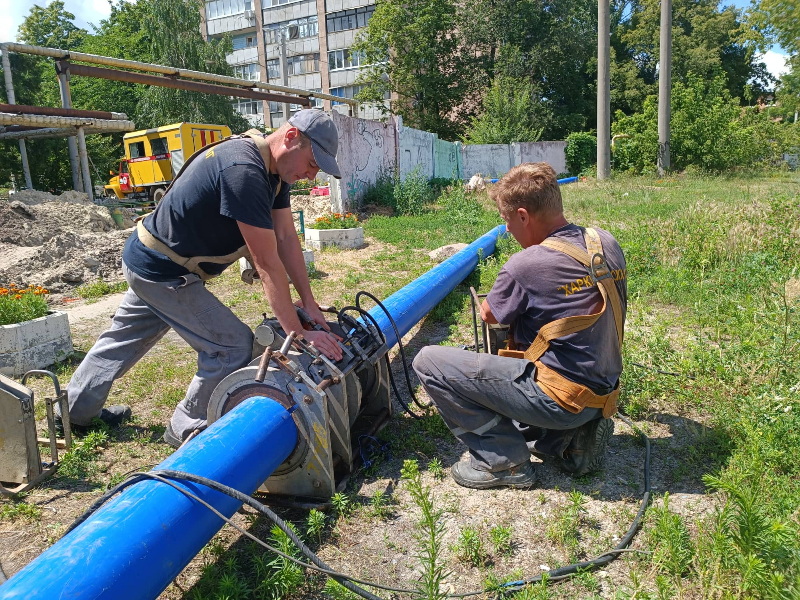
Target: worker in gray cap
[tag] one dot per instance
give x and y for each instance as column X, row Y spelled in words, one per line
column 230, row 200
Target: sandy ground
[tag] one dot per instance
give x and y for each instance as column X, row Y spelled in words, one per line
column 381, row 549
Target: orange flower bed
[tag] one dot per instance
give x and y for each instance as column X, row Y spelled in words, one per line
column 336, row 221
column 18, row 304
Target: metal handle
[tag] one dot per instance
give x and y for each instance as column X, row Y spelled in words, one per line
column 287, row 343
column 43, row 372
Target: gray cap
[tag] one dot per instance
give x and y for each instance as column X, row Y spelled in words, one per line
column 320, row 129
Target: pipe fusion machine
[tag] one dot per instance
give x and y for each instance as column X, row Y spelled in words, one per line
column 333, row 405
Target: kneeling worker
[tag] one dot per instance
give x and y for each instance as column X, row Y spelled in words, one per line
column 553, row 392
column 228, row 201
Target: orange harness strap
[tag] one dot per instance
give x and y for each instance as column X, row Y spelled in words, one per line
column 572, row 396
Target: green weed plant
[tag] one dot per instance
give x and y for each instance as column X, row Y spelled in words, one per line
column 100, row 288
column 429, row 534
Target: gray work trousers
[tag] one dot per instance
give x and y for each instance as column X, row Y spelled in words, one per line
column 148, row 310
column 492, row 404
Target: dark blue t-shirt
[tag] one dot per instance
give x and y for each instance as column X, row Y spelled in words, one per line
column 199, row 214
column 539, row 285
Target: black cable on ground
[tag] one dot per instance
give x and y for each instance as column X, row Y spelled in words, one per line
column 346, row 580
column 660, row 372
column 402, row 402
column 606, row 557
column 3, row 577
column 399, row 343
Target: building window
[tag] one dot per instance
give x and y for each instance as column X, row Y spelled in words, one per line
column 277, row 108
column 295, row 29
column 249, row 72
column 224, row 8
column 349, row 19
column 240, row 42
column 344, row 59
column 303, row 63
column 347, row 91
column 350, row 91
column 268, row 3
column 273, row 69
column 246, row 106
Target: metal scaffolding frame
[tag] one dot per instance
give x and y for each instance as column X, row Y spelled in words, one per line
column 21, row 123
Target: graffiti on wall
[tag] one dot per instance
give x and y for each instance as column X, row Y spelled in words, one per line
column 366, row 149
column 416, row 151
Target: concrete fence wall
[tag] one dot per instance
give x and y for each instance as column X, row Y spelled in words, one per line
column 369, row 148
column 415, row 151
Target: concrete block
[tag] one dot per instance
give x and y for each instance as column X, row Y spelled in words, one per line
column 340, row 238
column 34, row 344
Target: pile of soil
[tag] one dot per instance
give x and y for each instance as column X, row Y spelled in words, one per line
column 313, row 207
column 59, row 242
column 31, row 197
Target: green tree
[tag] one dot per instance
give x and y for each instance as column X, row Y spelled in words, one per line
column 780, row 22
column 51, row 26
column 172, row 28
column 412, row 48
column 710, row 131
column 508, row 114
column 708, row 40
column 549, row 47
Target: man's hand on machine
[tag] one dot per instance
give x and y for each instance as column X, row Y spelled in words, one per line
column 324, row 342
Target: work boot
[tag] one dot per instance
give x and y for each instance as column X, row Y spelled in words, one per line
column 586, row 452
column 113, row 416
column 521, row 476
column 171, row 438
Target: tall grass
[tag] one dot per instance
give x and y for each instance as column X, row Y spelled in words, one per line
column 714, row 295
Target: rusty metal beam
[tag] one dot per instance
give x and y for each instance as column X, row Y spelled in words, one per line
column 25, row 109
column 181, row 84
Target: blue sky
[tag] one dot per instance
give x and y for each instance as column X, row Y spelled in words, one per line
column 12, row 12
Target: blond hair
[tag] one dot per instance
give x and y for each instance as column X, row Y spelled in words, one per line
column 532, row 186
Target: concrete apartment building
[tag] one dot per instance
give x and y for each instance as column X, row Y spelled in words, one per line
column 317, row 36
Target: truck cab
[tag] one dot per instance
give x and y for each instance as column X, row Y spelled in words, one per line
column 154, row 156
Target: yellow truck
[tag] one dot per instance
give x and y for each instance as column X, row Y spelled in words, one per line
column 154, row 156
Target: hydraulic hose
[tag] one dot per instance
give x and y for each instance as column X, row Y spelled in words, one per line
column 348, row 581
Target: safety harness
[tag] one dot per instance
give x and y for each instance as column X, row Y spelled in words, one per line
column 572, row 396
column 193, row 263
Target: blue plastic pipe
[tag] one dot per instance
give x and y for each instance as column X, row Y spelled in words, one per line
column 410, row 304
column 138, row 542
column 560, row 181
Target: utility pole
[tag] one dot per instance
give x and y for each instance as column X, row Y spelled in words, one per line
column 603, row 89
column 285, row 72
column 664, row 87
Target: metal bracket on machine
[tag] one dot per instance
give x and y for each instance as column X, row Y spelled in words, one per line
column 21, row 466
column 333, row 404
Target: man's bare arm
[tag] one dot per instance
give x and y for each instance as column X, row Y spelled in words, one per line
column 486, row 313
column 263, row 247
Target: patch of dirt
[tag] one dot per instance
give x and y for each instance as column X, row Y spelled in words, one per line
column 792, row 289
column 58, row 242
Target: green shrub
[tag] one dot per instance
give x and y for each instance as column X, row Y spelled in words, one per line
column 669, row 538
column 508, row 114
column 381, row 193
column 412, row 193
column 581, row 152
column 460, row 207
column 709, row 131
column 18, row 305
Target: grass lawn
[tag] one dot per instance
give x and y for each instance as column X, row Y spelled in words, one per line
column 712, row 374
